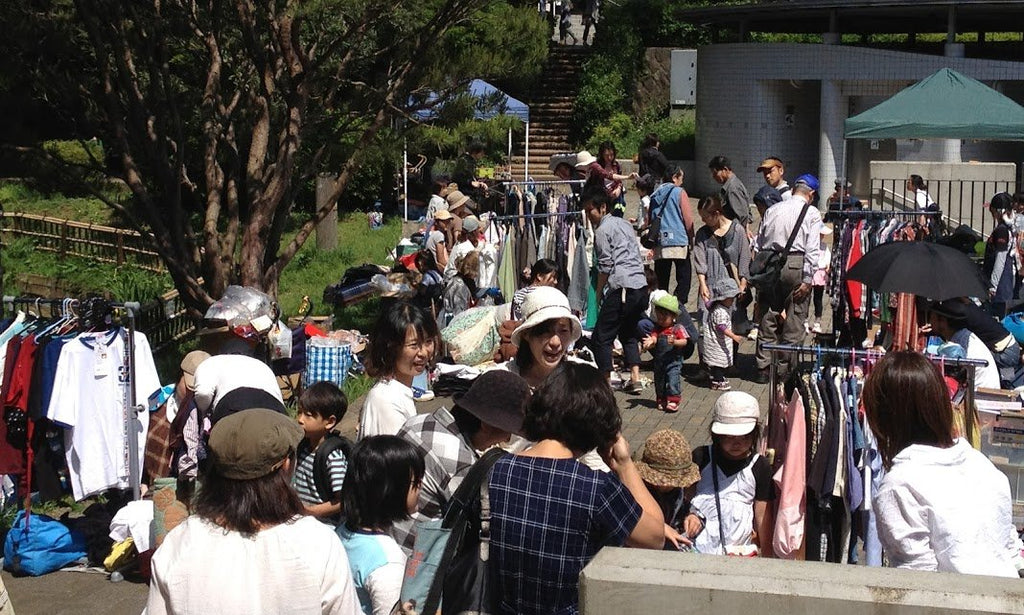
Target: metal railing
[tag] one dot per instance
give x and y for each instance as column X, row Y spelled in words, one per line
column 961, row 201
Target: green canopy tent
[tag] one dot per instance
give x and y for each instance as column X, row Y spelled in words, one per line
column 946, row 105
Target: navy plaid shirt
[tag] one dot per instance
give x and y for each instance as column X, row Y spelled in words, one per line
column 550, row 517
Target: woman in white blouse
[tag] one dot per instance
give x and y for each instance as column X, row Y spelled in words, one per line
column 941, row 505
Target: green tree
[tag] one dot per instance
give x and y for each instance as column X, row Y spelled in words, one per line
column 215, row 113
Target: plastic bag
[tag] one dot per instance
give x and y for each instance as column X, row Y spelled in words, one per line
column 280, row 338
column 392, row 286
column 242, row 306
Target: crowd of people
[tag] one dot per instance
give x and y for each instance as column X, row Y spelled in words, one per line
column 291, row 517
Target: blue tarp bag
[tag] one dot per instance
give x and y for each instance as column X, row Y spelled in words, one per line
column 1014, row 323
column 40, row 545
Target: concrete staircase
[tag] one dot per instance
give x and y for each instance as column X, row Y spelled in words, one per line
column 551, row 110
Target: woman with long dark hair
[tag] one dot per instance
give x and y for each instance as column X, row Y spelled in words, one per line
column 249, row 547
column 942, row 505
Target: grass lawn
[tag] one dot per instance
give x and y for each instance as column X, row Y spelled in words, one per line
column 18, row 197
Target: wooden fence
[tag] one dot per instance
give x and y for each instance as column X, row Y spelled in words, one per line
column 92, row 241
column 165, row 321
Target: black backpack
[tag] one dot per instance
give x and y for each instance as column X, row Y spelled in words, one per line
column 321, row 467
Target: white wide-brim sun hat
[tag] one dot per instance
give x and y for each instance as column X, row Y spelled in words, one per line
column 542, row 304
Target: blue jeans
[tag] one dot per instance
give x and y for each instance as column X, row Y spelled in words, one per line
column 668, row 362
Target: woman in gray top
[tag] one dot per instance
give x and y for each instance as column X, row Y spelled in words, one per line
column 721, row 248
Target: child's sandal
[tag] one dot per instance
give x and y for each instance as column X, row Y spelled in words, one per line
column 672, row 406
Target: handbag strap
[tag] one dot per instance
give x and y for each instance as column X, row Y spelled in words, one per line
column 473, row 486
column 718, row 501
column 796, row 229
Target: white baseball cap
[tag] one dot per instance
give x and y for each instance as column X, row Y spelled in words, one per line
column 736, row 414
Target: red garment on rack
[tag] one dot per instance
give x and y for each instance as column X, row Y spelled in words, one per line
column 905, row 335
column 12, row 460
column 854, row 289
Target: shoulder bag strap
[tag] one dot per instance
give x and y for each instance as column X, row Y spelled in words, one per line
column 796, row 229
column 471, row 487
column 718, row 501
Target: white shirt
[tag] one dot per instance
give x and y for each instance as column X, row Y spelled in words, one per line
column 948, row 510
column 987, row 376
column 221, row 374
column 922, row 199
column 778, row 223
column 89, row 397
column 461, row 249
column 296, row 568
column 388, row 405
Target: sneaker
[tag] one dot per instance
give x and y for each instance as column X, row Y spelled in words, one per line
column 807, row 327
column 722, row 385
column 752, row 336
column 816, row 328
column 419, row 394
column 635, row 388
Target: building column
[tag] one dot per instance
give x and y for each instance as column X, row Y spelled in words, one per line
column 951, row 147
column 830, row 146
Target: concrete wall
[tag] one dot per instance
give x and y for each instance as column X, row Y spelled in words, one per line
column 621, row 581
column 745, row 89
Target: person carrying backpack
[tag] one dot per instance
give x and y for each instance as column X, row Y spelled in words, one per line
column 322, row 458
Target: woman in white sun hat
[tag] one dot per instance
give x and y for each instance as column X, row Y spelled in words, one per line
column 735, row 483
column 544, row 336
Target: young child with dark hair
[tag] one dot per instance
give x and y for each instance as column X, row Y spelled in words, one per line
column 382, row 486
column 321, row 458
column 716, row 351
column 666, row 345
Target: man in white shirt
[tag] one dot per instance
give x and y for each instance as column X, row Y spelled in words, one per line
column 470, row 239
column 786, row 304
column 948, row 320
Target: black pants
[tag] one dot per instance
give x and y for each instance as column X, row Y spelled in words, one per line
column 717, row 373
column 819, row 292
column 684, row 271
column 620, row 312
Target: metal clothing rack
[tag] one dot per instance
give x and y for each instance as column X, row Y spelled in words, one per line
column 132, row 424
column 545, row 182
column 822, row 351
column 527, row 216
column 878, row 213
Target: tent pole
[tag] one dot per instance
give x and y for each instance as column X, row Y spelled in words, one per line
column 405, row 175
column 842, row 174
column 526, row 158
column 510, row 146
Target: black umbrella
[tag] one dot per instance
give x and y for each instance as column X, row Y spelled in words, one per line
column 921, row 268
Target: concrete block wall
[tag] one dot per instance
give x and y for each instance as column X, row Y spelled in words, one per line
column 744, row 89
column 621, row 581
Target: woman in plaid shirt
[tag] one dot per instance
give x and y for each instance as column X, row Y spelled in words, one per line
column 550, row 513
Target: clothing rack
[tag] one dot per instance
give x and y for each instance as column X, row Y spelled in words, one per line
column 546, row 182
column 775, row 349
column 877, row 213
column 132, row 424
column 527, row 216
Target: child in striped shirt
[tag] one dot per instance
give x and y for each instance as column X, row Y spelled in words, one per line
column 322, row 456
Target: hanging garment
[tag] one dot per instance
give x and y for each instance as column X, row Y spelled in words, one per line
column 579, row 280
column 507, row 276
column 487, row 277
column 791, row 484
column 89, row 399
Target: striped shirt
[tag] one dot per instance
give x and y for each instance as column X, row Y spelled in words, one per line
column 303, row 481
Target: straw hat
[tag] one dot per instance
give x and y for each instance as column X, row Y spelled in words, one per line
column 667, row 461
column 443, row 214
column 542, row 304
column 456, row 199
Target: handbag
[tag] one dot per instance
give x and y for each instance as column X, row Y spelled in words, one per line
column 650, row 236
column 458, row 545
column 766, row 266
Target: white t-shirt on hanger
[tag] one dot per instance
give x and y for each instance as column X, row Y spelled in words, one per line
column 89, row 399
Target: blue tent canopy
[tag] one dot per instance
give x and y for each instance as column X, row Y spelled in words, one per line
column 478, row 88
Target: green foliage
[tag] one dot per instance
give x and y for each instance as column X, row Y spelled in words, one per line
column 676, row 134
column 80, row 276
column 19, row 196
column 313, row 269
